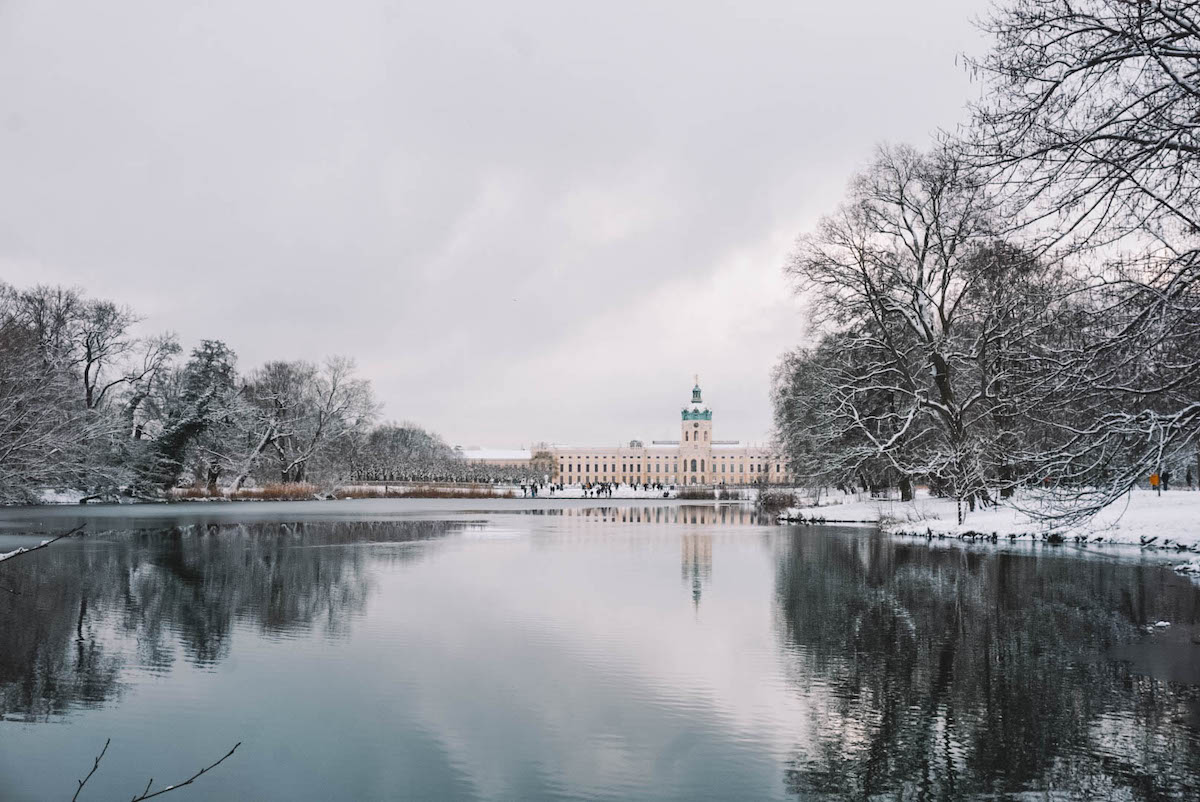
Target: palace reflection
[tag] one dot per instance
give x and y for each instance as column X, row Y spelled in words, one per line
column 696, row 563
column 698, row 514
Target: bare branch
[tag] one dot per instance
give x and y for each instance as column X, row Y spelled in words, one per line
column 12, row 555
column 150, row 795
column 95, row 765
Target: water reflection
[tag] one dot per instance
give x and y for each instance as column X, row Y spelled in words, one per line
column 950, row 674
column 566, row 652
column 697, row 514
column 696, row 563
column 82, row 610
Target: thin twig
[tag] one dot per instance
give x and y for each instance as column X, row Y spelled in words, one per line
column 95, row 766
column 21, row 552
column 188, row 781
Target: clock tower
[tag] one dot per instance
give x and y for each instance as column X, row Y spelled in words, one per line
column 695, row 440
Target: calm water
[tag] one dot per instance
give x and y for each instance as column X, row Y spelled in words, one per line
column 382, row 650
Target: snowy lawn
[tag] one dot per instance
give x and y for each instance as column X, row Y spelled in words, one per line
column 1172, row 518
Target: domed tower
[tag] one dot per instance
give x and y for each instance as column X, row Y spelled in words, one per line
column 695, row 440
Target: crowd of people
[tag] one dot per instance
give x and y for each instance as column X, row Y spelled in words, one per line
column 593, row 489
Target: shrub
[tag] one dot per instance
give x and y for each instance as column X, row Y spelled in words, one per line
column 473, row 491
column 194, row 493
column 291, row 491
column 775, row 500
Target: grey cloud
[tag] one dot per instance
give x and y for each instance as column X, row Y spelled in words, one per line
column 512, row 214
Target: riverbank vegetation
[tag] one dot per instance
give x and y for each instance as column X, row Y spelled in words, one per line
column 1018, row 305
column 92, row 410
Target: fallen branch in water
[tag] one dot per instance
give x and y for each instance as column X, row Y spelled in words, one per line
column 147, row 795
column 12, row 555
column 146, row 792
column 95, row 765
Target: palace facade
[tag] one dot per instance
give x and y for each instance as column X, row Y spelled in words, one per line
column 696, row 458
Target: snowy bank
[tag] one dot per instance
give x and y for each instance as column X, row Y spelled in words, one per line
column 49, row 496
column 1142, row 517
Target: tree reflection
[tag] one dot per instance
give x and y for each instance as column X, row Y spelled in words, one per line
column 948, row 674
column 76, row 615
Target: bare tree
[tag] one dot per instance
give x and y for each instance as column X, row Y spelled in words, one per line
column 1089, row 129
column 302, row 412
column 403, row 452
column 103, row 340
column 929, row 317
column 45, row 436
column 50, row 312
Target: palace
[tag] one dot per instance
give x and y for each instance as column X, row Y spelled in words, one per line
column 696, row 458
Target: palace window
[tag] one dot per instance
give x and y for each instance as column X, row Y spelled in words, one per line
column 693, row 465
column 702, row 465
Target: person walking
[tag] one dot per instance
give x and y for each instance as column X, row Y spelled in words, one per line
column 1166, row 480
column 1154, row 482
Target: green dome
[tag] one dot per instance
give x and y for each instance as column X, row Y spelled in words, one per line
column 695, row 411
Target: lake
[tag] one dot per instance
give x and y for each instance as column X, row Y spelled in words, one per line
column 404, row 649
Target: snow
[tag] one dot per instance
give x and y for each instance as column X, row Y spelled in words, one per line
column 49, row 496
column 1192, row 566
column 1141, row 517
column 10, row 554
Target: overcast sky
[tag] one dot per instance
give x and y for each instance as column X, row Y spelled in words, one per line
column 526, row 220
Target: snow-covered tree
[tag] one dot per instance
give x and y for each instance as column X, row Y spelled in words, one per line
column 929, row 320
column 403, row 452
column 302, row 412
column 46, row 437
column 1088, row 125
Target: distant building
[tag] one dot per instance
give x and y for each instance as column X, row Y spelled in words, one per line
column 696, row 458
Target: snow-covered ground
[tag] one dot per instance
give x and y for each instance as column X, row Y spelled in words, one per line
column 1170, row 519
column 61, row 496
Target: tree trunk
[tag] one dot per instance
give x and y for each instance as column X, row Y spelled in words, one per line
column 906, row 488
column 1006, row 489
column 240, row 479
column 212, row 473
